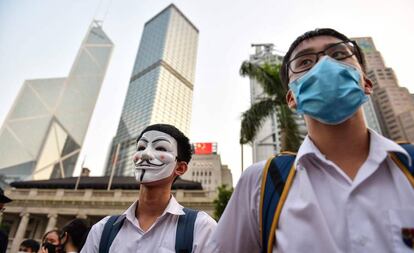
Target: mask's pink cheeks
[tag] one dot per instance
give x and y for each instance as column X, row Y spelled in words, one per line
column 165, row 158
column 136, row 157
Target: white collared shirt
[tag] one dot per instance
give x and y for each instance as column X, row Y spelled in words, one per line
column 325, row 210
column 160, row 237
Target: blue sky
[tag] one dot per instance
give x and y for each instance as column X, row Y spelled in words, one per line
column 40, row 39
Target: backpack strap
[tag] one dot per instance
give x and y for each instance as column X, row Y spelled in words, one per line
column 277, row 178
column 185, row 231
column 402, row 161
column 111, row 229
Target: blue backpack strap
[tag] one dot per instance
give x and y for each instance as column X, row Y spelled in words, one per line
column 185, row 231
column 109, row 233
column 277, row 178
column 402, row 161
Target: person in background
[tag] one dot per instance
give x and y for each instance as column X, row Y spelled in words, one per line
column 51, row 242
column 74, row 235
column 29, row 245
column 4, row 238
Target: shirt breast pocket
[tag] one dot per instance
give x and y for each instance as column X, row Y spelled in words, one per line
column 402, row 229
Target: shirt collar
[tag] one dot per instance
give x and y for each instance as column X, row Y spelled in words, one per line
column 379, row 148
column 379, row 142
column 306, row 149
column 173, row 207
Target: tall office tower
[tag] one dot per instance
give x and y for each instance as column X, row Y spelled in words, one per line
column 393, row 104
column 43, row 133
column 267, row 141
column 161, row 85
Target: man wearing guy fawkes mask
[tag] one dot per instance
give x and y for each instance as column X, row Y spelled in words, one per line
column 155, row 222
column 157, row 157
column 348, row 189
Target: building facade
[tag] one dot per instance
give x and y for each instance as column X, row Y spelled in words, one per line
column 161, row 85
column 43, row 133
column 268, row 139
column 38, row 207
column 393, row 104
column 208, row 170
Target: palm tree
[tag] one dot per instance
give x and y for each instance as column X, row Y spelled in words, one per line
column 272, row 102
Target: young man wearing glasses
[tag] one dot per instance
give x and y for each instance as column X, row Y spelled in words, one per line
column 343, row 191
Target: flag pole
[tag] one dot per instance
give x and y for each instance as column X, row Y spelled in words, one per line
column 113, row 166
column 80, row 174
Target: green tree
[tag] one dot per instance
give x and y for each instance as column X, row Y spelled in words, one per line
column 274, row 101
column 221, row 201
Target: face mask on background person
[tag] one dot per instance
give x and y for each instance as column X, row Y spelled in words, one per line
column 330, row 92
column 51, row 248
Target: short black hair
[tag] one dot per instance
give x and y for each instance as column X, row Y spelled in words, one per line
column 77, row 230
column 284, row 71
column 183, row 143
column 32, row 244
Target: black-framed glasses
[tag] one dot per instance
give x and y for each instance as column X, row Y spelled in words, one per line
column 338, row 51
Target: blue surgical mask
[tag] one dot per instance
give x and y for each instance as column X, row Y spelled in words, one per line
column 330, row 92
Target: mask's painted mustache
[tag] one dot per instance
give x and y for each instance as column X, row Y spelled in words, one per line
column 145, row 162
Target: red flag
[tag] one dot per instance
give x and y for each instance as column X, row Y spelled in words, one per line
column 203, row 148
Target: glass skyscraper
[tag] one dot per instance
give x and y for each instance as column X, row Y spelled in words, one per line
column 161, row 85
column 43, row 133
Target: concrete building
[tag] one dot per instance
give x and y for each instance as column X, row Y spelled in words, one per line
column 161, row 85
column 267, row 141
column 43, row 133
column 39, row 206
column 393, row 104
column 208, row 170
column 226, row 176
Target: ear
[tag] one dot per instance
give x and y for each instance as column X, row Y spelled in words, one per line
column 290, row 99
column 181, row 168
column 65, row 237
column 367, row 85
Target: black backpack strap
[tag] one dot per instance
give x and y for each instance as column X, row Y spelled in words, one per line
column 185, row 231
column 111, row 229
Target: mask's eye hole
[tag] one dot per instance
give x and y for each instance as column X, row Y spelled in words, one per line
column 140, row 148
column 161, row 149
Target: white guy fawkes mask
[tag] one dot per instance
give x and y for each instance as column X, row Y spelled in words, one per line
column 155, row 158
